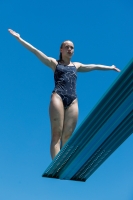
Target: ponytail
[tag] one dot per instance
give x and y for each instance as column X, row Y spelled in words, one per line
column 60, row 56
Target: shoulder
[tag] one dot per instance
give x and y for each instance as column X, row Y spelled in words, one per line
column 82, row 67
column 54, row 63
column 77, row 64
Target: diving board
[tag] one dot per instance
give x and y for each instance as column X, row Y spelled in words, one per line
column 105, row 128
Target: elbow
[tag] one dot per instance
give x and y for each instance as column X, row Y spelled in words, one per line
column 35, row 51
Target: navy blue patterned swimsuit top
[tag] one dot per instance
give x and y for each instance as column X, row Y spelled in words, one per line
column 65, row 83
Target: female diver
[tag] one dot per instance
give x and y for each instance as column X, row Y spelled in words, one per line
column 63, row 109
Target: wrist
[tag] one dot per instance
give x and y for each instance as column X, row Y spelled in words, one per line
column 112, row 67
column 19, row 38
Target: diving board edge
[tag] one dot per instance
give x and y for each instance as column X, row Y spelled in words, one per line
column 78, row 159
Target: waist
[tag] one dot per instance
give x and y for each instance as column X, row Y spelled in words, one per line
column 64, row 91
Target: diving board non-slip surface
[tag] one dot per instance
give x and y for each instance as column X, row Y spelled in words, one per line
column 105, row 128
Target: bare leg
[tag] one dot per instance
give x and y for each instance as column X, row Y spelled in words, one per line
column 70, row 121
column 56, row 111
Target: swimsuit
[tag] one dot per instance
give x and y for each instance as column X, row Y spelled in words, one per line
column 65, row 83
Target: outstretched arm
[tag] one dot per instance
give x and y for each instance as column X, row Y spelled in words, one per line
column 89, row 67
column 50, row 62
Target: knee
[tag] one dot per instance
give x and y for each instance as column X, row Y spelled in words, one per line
column 66, row 136
column 56, row 135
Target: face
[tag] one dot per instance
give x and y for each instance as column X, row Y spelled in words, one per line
column 67, row 49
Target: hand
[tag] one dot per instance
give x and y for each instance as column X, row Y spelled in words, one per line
column 16, row 35
column 114, row 68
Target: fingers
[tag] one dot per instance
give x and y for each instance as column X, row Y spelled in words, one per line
column 11, row 31
column 14, row 33
column 118, row 70
column 115, row 68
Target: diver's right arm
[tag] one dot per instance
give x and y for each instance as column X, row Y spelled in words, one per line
column 50, row 62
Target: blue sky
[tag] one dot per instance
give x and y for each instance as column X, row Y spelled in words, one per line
column 102, row 32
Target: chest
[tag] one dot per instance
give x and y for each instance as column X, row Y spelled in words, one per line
column 61, row 69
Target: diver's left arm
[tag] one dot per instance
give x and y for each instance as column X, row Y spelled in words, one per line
column 89, row 67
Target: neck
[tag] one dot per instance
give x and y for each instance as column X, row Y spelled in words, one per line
column 66, row 61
